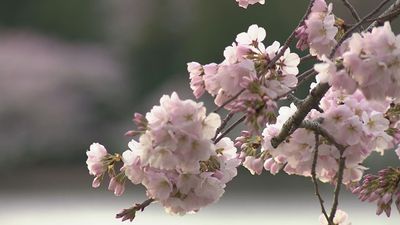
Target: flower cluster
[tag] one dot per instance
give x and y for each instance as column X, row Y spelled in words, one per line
column 369, row 62
column 184, row 162
column 95, row 162
column 245, row 3
column 318, row 31
column 354, row 122
column 246, row 73
column 175, row 158
column 99, row 163
column 382, row 188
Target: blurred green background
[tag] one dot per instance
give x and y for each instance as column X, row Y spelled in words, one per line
column 74, row 72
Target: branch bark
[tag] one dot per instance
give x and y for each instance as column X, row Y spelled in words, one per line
column 230, row 129
column 393, row 7
column 352, row 10
column 315, row 96
column 315, row 181
column 339, row 181
column 291, row 36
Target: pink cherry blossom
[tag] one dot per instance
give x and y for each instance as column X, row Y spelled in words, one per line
column 254, row 165
column 245, row 3
column 95, row 163
column 254, row 36
column 318, row 31
column 116, row 186
column 346, row 117
column 369, row 62
column 175, row 158
column 341, row 218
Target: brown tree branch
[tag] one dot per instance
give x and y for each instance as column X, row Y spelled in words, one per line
column 316, row 127
column 357, row 25
column 315, row 181
column 352, row 10
column 306, row 57
column 130, row 214
column 229, row 129
column 339, row 181
column 229, row 100
column 223, row 124
column 394, row 6
column 291, row 36
column 315, row 96
column 309, row 103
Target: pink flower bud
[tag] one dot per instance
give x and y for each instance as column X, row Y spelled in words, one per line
column 96, row 182
column 117, row 187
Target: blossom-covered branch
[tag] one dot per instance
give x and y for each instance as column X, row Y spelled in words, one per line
column 184, row 157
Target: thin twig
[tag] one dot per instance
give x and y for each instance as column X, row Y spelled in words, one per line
column 316, row 94
column 130, row 214
column 316, row 127
column 390, row 16
column 305, row 74
column 306, row 77
column 223, row 124
column 296, row 101
column 229, row 100
column 291, row 36
column 306, row 57
column 387, row 16
column 315, row 181
column 352, row 10
column 353, row 28
column 277, row 56
column 338, row 186
column 388, row 11
column 230, row 129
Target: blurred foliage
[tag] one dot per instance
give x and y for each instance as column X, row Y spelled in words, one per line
column 168, row 39
column 71, row 19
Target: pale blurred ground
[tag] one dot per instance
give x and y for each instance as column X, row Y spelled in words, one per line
column 264, row 209
column 63, row 196
column 73, row 72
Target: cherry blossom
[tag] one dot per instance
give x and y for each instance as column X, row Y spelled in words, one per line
column 175, row 158
column 318, row 31
column 245, row 3
column 95, row 162
column 242, row 73
column 369, row 63
column 341, row 218
column 184, row 158
column 345, row 121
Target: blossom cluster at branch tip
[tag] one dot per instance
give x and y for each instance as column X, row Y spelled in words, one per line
column 100, row 162
column 246, row 74
column 370, row 62
column 175, row 158
column 382, row 189
column 318, row 31
column 95, row 162
column 246, row 3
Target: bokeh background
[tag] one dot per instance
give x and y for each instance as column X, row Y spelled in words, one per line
column 74, row 72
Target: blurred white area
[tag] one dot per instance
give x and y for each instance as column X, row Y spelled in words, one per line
column 63, row 196
column 48, row 88
column 61, row 209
